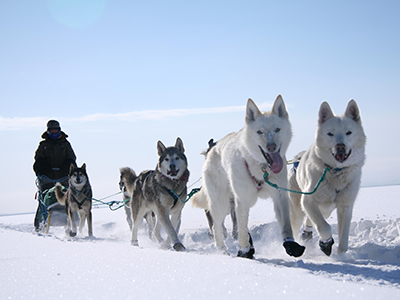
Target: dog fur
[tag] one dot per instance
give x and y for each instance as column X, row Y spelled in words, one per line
column 77, row 199
column 154, row 191
column 234, row 169
column 340, row 145
column 128, row 174
column 202, row 203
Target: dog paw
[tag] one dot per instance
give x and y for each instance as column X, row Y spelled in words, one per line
column 72, row 234
column 135, row 243
column 306, row 236
column 326, row 246
column 246, row 253
column 179, row 247
column 293, row 249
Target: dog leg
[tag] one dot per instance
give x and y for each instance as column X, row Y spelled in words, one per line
column 323, row 228
column 157, row 230
column 89, row 221
column 344, row 215
column 72, row 223
column 150, row 223
column 245, row 241
column 163, row 215
column 82, row 219
column 249, row 254
column 282, row 211
column 234, row 220
column 307, row 233
column 128, row 217
column 296, row 213
column 137, row 216
column 218, row 215
column 210, row 224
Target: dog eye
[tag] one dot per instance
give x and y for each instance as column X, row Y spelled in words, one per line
column 166, row 159
column 277, row 130
column 177, row 158
column 259, row 132
column 348, row 132
column 330, row 133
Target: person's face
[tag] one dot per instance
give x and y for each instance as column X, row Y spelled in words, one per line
column 53, row 130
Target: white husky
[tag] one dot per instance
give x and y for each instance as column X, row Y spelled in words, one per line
column 339, row 146
column 234, row 169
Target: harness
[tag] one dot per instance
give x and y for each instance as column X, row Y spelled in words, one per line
column 172, row 193
column 331, row 170
column 80, row 203
column 258, row 183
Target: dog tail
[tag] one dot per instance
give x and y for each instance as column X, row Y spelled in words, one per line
column 128, row 176
column 199, row 200
column 60, row 195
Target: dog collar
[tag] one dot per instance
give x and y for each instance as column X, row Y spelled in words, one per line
column 258, row 183
column 334, row 170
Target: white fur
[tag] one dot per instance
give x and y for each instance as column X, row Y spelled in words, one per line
column 340, row 188
column 225, row 175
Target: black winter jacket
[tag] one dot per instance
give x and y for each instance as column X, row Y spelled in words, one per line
column 53, row 158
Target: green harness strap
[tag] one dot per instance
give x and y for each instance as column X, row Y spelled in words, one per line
column 275, row 186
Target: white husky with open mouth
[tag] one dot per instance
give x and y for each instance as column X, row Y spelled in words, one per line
column 234, row 170
column 339, row 148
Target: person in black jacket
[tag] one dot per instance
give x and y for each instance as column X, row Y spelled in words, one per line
column 54, row 154
column 53, row 159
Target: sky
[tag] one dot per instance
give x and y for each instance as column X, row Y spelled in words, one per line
column 120, row 75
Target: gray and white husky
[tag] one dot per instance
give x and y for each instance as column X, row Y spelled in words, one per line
column 161, row 191
column 234, row 169
column 77, row 199
column 339, row 146
column 129, row 175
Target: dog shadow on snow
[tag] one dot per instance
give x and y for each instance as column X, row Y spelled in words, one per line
column 367, row 262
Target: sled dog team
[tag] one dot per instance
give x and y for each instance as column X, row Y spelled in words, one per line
column 234, row 177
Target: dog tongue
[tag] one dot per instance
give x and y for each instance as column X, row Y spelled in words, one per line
column 277, row 163
column 340, row 157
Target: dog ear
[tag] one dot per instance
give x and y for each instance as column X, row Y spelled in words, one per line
column 252, row 111
column 353, row 112
column 179, row 145
column 160, row 148
column 83, row 167
column 325, row 112
column 71, row 167
column 279, row 108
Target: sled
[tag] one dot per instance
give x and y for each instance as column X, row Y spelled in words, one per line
column 49, row 212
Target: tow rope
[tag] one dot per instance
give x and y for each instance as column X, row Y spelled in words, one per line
column 275, row 186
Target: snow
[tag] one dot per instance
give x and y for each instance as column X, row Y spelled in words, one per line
column 54, row 266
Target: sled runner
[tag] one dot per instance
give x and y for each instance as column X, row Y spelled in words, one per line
column 49, row 212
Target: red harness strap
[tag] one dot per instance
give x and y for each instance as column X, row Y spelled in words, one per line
column 257, row 183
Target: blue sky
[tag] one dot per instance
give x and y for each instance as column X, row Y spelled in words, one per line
column 121, row 75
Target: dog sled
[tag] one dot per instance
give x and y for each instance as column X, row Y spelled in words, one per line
column 49, row 212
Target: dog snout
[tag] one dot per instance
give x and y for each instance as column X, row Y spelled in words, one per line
column 340, row 148
column 172, row 167
column 271, row 147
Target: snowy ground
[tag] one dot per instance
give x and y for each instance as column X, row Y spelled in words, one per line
column 54, row 266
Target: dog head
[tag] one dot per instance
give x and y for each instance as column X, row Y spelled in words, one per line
column 268, row 134
column 126, row 180
column 123, row 188
column 172, row 162
column 78, row 176
column 340, row 140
